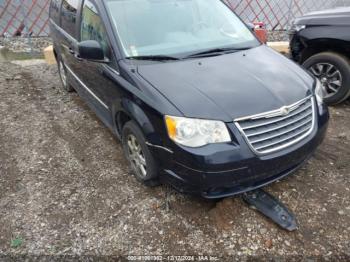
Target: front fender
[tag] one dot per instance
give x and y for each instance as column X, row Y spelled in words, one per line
column 151, row 124
column 140, row 101
column 137, row 114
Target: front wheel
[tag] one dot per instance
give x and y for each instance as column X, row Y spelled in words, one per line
column 333, row 70
column 138, row 155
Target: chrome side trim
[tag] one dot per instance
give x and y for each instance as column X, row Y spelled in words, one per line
column 161, row 147
column 87, row 89
column 111, row 69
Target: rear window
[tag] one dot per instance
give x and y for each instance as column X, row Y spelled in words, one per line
column 69, row 16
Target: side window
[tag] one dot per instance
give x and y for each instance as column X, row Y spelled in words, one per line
column 92, row 27
column 55, row 11
column 69, row 16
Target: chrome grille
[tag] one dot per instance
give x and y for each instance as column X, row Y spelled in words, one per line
column 275, row 130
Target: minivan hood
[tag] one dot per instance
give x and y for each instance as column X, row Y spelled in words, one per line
column 336, row 16
column 230, row 86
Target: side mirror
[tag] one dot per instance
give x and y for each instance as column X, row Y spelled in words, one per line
column 251, row 26
column 91, row 50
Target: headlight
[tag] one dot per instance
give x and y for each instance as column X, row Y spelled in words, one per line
column 320, row 92
column 196, row 132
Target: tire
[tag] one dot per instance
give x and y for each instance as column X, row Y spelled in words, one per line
column 62, row 71
column 130, row 131
column 336, row 62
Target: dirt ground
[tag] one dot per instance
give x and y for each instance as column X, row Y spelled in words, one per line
column 65, row 190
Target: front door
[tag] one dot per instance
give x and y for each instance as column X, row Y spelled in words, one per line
column 98, row 89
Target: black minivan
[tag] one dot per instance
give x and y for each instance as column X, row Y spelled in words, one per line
column 196, row 99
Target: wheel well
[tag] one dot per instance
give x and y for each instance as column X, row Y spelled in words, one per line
column 121, row 119
column 324, row 45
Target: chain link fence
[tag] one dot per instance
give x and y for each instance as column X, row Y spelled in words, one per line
column 24, row 17
column 30, row 17
column 278, row 14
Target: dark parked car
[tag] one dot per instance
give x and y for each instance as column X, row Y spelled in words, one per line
column 320, row 41
column 196, row 99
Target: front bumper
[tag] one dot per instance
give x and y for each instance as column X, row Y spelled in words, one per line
column 222, row 170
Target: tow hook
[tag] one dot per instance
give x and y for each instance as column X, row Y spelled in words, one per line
column 272, row 208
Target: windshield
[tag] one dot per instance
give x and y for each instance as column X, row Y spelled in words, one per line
column 174, row 27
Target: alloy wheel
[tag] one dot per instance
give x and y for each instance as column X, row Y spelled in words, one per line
column 330, row 77
column 136, row 156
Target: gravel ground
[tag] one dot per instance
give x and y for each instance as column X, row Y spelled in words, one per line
column 66, row 191
column 20, row 44
column 278, row 36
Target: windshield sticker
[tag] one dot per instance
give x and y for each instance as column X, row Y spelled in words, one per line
column 133, row 50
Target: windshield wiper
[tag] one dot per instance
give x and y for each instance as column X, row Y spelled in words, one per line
column 153, row 57
column 217, row 51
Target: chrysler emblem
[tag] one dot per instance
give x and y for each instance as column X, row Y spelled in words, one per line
column 284, row 111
